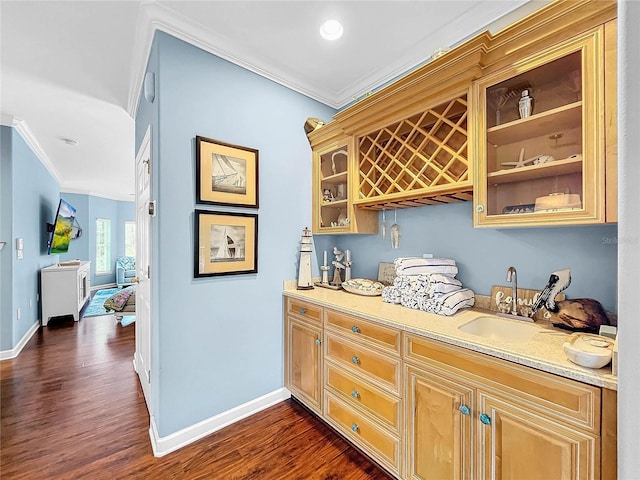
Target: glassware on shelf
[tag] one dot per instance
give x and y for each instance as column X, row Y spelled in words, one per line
column 497, row 98
column 383, row 226
column 573, row 83
column 394, row 232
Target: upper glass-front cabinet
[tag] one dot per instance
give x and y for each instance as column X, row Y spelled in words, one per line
column 333, row 186
column 332, row 194
column 539, row 138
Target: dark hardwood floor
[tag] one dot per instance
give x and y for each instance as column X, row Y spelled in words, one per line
column 72, row 408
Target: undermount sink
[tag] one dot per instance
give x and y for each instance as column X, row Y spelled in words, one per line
column 496, row 328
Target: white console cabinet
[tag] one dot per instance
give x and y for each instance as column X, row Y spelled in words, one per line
column 65, row 289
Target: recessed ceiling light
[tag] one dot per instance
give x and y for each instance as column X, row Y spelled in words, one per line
column 70, row 141
column 331, row 30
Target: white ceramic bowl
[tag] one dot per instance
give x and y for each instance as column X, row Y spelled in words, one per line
column 591, row 351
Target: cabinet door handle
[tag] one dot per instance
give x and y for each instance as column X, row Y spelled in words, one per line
column 355, row 394
column 303, row 311
column 318, row 341
column 486, row 419
column 355, row 427
column 355, row 329
column 480, row 208
column 464, row 410
column 355, row 360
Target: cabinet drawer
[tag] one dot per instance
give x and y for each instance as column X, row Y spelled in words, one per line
column 374, row 366
column 374, row 440
column 357, row 329
column 561, row 398
column 305, row 310
column 383, row 406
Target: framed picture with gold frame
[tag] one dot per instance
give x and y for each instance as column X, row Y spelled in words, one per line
column 226, row 174
column 226, row 243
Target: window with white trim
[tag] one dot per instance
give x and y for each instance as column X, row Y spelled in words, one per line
column 103, row 246
column 130, row 239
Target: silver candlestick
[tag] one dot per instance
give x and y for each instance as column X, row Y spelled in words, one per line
column 325, row 274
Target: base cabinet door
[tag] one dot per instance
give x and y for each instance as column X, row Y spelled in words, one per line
column 439, row 426
column 470, row 416
column 516, row 444
column 303, row 362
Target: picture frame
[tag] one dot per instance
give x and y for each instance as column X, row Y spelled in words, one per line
column 226, row 243
column 226, row 174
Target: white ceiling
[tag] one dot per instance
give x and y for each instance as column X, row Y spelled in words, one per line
column 73, row 69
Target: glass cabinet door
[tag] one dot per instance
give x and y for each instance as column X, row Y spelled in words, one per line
column 333, row 192
column 540, row 147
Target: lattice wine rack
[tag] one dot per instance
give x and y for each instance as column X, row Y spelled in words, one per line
column 421, row 160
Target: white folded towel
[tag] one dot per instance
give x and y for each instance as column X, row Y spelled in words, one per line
column 442, row 283
column 427, row 270
column 421, row 262
column 427, row 285
column 391, row 294
column 448, row 303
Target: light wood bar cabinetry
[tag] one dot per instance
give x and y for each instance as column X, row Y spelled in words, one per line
column 418, row 160
column 444, row 132
column 303, row 352
column 542, row 163
column 426, row 409
column 473, row 416
column 363, row 372
column 333, row 183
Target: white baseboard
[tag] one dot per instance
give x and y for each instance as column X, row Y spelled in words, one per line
column 13, row 353
column 164, row 445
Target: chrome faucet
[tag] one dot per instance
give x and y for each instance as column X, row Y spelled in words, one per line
column 512, row 276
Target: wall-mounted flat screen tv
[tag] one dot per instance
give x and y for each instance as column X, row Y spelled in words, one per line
column 62, row 229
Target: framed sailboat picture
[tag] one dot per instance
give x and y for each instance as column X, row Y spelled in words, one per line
column 226, row 243
column 226, row 174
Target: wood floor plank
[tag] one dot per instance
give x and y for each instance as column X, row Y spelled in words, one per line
column 71, row 408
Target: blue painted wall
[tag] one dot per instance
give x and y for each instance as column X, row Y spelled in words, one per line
column 35, row 194
column 483, row 254
column 88, row 209
column 6, row 235
column 220, row 339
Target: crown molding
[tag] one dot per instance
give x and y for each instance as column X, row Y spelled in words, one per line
column 79, row 191
column 407, row 64
column 30, row 139
column 154, row 17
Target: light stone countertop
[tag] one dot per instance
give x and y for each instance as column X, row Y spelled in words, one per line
column 543, row 352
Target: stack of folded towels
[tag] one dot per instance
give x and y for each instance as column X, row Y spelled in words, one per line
column 428, row 284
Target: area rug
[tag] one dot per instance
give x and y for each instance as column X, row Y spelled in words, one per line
column 127, row 320
column 96, row 307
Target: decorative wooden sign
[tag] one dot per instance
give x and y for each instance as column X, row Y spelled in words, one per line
column 386, row 273
column 502, row 301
